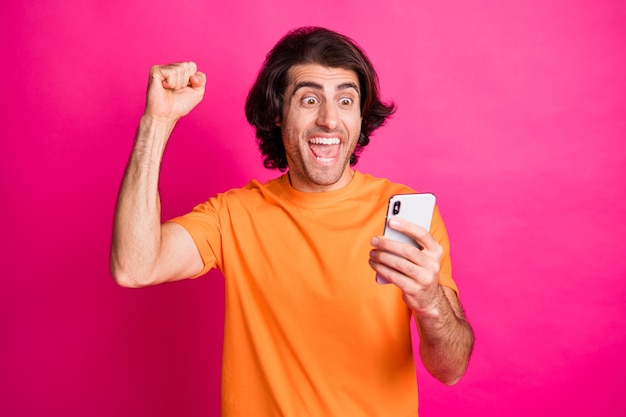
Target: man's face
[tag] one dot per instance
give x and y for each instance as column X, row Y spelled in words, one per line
column 320, row 124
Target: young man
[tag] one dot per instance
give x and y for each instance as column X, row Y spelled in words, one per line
column 308, row 330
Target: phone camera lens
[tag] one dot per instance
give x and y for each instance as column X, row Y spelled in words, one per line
column 396, row 208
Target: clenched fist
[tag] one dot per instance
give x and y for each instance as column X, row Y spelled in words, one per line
column 174, row 90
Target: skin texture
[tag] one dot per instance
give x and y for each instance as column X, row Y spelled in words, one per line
column 320, row 125
column 447, row 339
column 320, row 103
column 144, row 252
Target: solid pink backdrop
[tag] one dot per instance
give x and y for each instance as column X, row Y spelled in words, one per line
column 513, row 113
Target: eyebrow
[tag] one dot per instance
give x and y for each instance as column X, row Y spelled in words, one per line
column 316, row 86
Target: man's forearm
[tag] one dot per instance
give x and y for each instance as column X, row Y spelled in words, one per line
column 446, row 339
column 137, row 225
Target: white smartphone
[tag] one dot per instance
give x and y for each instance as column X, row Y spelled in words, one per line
column 415, row 208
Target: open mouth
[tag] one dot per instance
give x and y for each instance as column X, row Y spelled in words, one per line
column 325, row 149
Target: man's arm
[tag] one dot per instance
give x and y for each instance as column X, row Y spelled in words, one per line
column 446, row 338
column 143, row 251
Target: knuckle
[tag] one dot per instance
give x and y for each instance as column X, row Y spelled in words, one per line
column 413, row 252
column 411, row 270
column 436, row 268
column 411, row 291
column 438, row 251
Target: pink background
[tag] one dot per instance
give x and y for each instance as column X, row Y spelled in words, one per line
column 513, row 113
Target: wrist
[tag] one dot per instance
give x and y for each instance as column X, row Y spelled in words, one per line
column 433, row 308
column 152, row 136
column 152, row 122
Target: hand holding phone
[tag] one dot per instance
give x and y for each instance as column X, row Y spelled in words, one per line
column 415, row 208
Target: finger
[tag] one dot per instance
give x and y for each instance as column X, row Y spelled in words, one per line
column 176, row 76
column 409, row 277
column 405, row 258
column 411, row 263
column 198, row 80
column 189, row 69
column 401, row 250
column 388, row 274
column 418, row 233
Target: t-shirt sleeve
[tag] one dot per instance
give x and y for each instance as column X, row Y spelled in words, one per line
column 203, row 224
column 440, row 234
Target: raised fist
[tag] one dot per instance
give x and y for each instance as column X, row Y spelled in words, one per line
column 174, row 90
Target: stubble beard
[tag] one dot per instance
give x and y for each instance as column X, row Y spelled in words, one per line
column 306, row 166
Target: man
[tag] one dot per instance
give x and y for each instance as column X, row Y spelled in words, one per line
column 308, row 331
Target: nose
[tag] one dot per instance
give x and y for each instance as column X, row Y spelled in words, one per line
column 328, row 115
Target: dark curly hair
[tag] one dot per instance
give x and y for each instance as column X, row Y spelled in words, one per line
column 310, row 45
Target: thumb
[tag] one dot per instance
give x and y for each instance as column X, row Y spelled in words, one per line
column 197, row 80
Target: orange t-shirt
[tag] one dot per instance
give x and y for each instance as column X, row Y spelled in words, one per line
column 308, row 331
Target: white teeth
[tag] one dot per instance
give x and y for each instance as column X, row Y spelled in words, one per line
column 324, row 141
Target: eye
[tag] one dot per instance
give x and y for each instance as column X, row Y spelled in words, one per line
column 309, row 101
column 345, row 101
